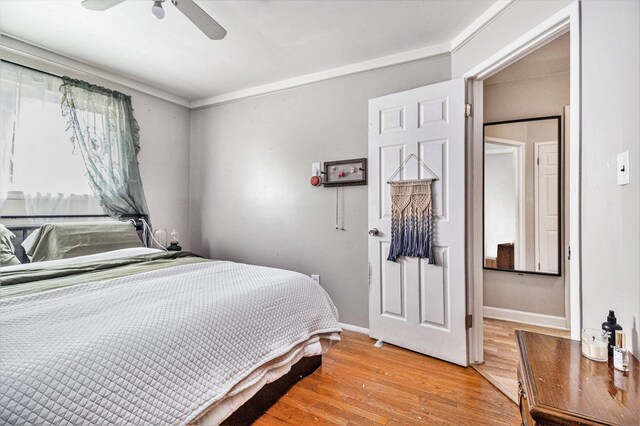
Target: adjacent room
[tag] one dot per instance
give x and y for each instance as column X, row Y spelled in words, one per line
column 526, row 141
column 319, row 211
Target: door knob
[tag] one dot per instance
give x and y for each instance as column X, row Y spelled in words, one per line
column 373, row 232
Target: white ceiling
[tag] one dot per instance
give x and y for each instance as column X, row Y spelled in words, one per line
column 267, row 41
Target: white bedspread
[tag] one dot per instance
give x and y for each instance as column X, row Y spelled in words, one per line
column 154, row 348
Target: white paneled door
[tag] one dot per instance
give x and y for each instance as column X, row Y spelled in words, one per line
column 546, row 207
column 413, row 304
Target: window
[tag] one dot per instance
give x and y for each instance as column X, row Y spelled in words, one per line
column 38, row 163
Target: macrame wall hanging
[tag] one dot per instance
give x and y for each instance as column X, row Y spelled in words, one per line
column 412, row 217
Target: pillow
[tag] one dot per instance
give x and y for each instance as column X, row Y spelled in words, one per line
column 71, row 239
column 7, row 256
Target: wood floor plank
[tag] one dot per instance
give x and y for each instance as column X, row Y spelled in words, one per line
column 274, row 421
column 359, row 384
column 501, row 353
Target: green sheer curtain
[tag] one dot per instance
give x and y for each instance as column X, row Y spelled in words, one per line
column 102, row 128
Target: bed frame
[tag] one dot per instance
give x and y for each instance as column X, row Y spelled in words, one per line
column 251, row 410
column 255, row 407
column 22, row 226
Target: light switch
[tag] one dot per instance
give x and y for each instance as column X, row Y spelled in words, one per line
column 623, row 168
column 315, row 169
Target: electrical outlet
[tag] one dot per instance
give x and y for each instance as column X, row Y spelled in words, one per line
column 315, row 169
column 316, row 278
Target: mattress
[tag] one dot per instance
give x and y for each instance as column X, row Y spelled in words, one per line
column 269, row 372
column 186, row 340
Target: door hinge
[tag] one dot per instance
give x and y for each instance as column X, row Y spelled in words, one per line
column 467, row 110
column 569, row 253
column 538, row 161
column 468, row 321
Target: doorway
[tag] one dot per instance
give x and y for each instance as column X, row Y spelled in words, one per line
column 564, row 21
column 505, row 165
column 519, row 297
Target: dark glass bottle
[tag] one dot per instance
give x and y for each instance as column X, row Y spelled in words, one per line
column 611, row 325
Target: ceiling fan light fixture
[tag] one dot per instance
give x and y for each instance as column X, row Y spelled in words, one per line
column 157, row 10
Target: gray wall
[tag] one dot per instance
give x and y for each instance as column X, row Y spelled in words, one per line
column 250, row 169
column 610, row 125
column 533, row 97
column 164, row 153
column 164, row 161
column 510, row 100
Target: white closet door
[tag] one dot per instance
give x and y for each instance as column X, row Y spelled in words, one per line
column 546, row 207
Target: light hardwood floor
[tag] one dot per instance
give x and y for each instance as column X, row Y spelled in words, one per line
column 501, row 353
column 359, row 384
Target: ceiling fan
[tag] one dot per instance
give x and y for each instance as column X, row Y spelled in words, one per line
column 199, row 17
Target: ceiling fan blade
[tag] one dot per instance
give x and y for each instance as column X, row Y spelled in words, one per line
column 100, row 5
column 201, row 19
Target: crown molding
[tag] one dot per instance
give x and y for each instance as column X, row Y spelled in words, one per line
column 40, row 54
column 382, row 62
column 59, row 62
column 479, row 24
column 460, row 40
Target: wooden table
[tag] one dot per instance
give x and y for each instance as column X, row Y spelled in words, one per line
column 558, row 386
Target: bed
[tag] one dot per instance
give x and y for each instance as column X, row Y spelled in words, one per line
column 145, row 336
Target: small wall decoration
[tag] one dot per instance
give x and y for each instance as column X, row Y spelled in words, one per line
column 411, row 220
column 345, row 172
column 412, row 215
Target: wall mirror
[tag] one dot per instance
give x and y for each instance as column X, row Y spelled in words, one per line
column 522, row 195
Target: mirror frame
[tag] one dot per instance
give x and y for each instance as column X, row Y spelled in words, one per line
column 560, row 195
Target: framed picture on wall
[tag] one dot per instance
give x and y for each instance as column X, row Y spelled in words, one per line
column 345, row 172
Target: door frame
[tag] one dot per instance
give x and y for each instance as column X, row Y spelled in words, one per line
column 563, row 21
column 519, row 153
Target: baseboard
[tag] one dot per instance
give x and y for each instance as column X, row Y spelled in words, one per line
column 354, row 328
column 525, row 317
